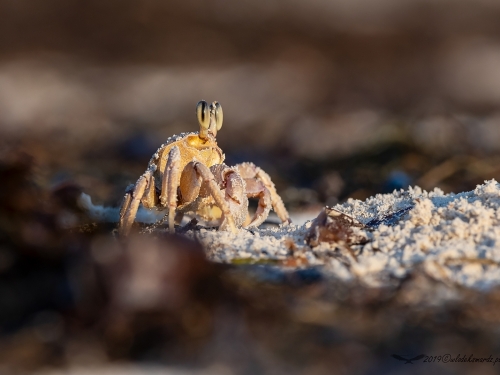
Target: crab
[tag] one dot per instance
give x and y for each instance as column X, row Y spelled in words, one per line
column 187, row 175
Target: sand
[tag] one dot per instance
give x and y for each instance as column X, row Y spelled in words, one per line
column 454, row 238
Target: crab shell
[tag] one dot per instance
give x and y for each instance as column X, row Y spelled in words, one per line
column 206, row 151
column 192, row 148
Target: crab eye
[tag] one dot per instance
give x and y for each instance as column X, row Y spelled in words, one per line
column 203, row 114
column 219, row 116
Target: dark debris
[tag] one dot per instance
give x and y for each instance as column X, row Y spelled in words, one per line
column 333, row 226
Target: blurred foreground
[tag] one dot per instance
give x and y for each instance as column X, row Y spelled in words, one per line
column 77, row 298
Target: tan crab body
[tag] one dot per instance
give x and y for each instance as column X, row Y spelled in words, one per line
column 191, row 147
column 186, row 175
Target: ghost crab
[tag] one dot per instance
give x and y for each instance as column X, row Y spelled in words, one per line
column 187, row 175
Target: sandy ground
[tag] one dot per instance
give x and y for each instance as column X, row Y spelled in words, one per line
column 451, row 237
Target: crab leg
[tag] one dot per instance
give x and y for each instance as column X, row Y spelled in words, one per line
column 125, row 203
column 256, row 189
column 233, row 187
column 190, row 183
column 249, row 172
column 149, row 200
column 131, row 203
column 216, row 193
column 170, row 183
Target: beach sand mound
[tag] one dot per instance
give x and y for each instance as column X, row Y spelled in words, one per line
column 453, row 238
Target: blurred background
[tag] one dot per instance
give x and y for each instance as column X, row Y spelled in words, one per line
column 333, row 98
column 342, row 98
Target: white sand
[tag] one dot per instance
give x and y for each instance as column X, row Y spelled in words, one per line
column 454, row 238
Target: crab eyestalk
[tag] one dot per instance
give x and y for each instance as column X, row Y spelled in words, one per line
column 210, row 118
column 218, row 115
column 204, row 116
